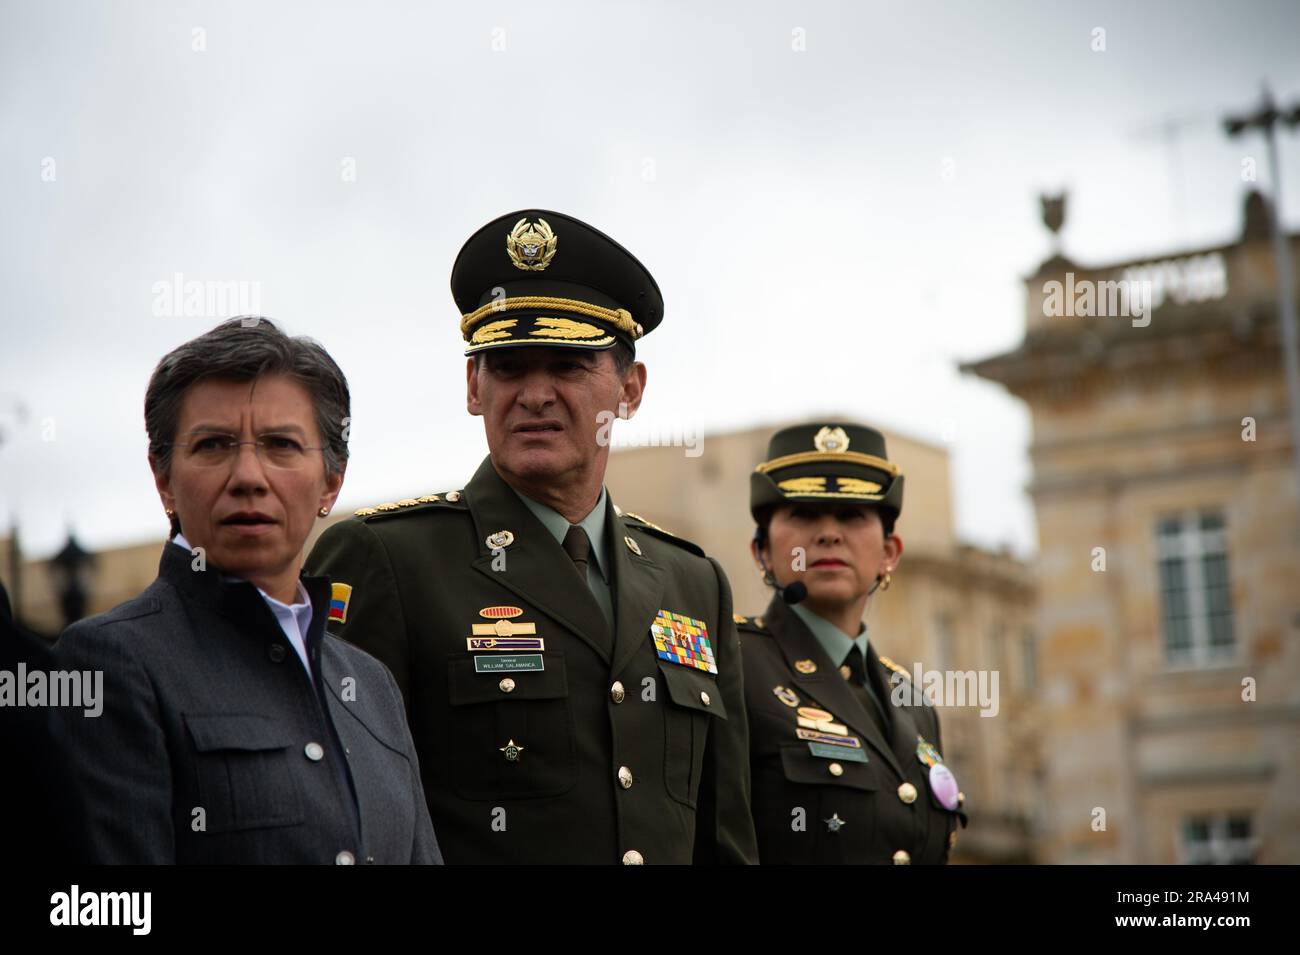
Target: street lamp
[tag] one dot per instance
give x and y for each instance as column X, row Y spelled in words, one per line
column 1266, row 118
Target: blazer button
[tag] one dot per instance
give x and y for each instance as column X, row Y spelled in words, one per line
column 345, row 858
column 315, row 752
column 632, row 857
column 902, row 858
column 625, row 777
column 907, row 793
column 276, row 652
column 835, row 769
column 616, row 692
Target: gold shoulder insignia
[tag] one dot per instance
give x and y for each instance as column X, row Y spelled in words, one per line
column 894, row 666
column 388, row 507
column 640, row 523
column 641, row 520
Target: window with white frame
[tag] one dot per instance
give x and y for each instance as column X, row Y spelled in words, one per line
column 1218, row 839
column 1194, row 588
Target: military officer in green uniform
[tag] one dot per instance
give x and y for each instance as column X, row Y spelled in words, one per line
column 846, row 759
column 571, row 671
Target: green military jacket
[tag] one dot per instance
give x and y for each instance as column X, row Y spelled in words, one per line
column 816, row 800
column 590, row 748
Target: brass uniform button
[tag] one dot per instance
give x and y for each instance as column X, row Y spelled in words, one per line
column 625, row 777
column 616, row 692
column 345, row 858
column 907, row 793
column 507, row 685
column 836, row 769
column 902, row 858
column 453, row 496
column 632, row 857
column 846, row 672
column 704, row 698
column 314, row 751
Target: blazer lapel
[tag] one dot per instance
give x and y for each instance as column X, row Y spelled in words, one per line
column 638, row 591
column 825, row 683
column 536, row 567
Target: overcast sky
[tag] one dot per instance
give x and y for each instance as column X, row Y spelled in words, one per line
column 833, row 227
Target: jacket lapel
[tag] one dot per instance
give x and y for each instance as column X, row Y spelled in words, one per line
column 825, row 683
column 904, row 725
column 638, row 590
column 537, row 569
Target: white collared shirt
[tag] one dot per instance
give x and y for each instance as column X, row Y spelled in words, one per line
column 294, row 619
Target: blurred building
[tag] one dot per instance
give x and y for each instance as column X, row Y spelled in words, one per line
column 118, row 574
column 1166, row 502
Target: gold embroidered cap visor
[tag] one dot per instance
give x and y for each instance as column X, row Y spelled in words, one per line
column 826, row 463
column 536, row 277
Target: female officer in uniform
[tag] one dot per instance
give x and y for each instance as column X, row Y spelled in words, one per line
column 846, row 760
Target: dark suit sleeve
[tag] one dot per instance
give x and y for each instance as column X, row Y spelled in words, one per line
column 725, row 828
column 351, row 553
column 117, row 760
column 424, row 847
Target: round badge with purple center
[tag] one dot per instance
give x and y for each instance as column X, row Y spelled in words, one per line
column 944, row 786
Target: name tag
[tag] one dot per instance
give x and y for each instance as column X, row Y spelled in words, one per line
column 509, row 664
column 842, row 753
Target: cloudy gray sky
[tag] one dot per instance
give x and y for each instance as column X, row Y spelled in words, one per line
column 833, row 227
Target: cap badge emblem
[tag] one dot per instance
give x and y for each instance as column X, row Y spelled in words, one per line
column 531, row 247
column 831, row 439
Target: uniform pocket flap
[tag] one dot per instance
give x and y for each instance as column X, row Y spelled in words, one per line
column 242, row 731
column 694, row 689
column 801, row 766
column 466, row 685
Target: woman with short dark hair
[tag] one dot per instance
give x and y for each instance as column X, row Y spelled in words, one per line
column 845, row 759
column 234, row 727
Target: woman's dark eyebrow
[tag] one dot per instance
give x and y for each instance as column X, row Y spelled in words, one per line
column 220, row 429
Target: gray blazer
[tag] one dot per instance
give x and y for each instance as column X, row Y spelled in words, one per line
column 214, row 745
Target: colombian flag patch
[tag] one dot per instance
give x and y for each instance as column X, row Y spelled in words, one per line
column 339, row 598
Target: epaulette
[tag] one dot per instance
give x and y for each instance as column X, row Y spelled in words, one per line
column 894, row 666
column 752, row 624
column 407, row 504
column 639, row 522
